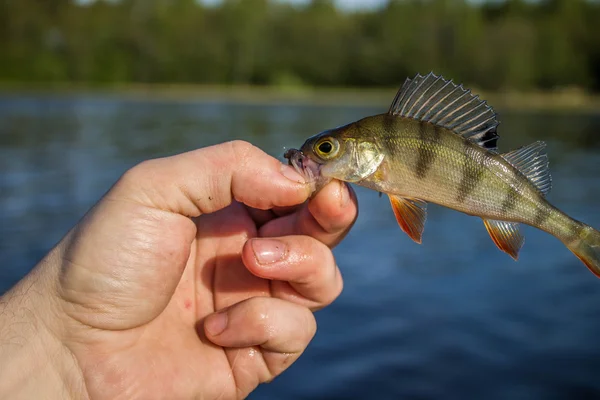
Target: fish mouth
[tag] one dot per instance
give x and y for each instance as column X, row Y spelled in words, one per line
column 305, row 166
column 302, row 164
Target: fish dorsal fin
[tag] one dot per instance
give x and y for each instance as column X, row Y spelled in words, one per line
column 506, row 236
column 441, row 102
column 411, row 215
column 532, row 161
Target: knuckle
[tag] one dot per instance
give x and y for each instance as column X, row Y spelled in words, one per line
column 139, row 173
column 241, row 148
column 315, row 258
column 325, row 266
column 259, row 311
column 144, row 168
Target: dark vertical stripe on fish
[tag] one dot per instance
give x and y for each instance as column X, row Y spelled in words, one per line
column 511, row 198
column 389, row 124
column 472, row 173
column 389, row 134
column 541, row 215
column 429, row 136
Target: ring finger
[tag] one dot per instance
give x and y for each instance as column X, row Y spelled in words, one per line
column 301, row 269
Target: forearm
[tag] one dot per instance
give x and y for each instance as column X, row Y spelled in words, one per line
column 34, row 363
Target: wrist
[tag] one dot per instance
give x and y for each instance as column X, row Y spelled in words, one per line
column 33, row 359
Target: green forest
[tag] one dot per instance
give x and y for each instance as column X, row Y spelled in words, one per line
column 497, row 45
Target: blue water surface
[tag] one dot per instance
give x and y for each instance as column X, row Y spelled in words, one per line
column 453, row 318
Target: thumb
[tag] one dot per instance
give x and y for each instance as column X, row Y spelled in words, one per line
column 122, row 262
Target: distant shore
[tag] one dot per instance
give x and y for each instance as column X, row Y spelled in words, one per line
column 563, row 100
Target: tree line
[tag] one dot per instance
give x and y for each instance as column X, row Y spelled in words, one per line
column 512, row 44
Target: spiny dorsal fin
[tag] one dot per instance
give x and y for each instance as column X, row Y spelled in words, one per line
column 436, row 100
column 506, row 236
column 532, row 161
column 411, row 215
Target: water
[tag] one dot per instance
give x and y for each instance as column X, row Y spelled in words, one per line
column 453, row 318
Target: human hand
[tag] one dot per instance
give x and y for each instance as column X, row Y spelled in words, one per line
column 194, row 277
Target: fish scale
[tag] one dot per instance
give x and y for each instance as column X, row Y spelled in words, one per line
column 454, row 176
column 438, row 144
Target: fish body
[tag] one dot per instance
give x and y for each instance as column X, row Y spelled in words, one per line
column 437, row 144
column 435, row 165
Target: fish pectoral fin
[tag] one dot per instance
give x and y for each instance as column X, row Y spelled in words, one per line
column 410, row 214
column 506, row 236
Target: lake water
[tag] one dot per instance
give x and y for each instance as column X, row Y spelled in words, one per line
column 453, row 318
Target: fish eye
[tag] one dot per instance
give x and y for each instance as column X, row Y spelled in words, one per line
column 326, row 148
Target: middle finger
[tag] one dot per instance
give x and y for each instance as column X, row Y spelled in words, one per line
column 327, row 217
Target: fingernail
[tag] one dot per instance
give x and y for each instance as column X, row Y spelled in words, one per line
column 290, row 173
column 344, row 194
column 216, row 323
column 268, row 251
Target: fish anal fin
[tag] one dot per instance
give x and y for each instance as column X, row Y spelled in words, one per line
column 411, row 215
column 532, row 161
column 441, row 102
column 506, row 236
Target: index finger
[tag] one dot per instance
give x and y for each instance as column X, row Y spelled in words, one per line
column 209, row 179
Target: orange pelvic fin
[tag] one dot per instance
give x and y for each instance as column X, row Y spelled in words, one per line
column 506, row 236
column 411, row 215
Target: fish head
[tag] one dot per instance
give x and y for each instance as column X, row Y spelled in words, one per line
column 341, row 153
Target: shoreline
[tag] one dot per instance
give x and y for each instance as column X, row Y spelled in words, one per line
column 560, row 100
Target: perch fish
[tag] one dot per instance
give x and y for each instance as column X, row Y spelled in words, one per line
column 438, row 144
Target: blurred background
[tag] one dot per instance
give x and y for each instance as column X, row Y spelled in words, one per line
column 514, row 44
column 90, row 88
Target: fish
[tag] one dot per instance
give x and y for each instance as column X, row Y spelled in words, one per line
column 438, row 143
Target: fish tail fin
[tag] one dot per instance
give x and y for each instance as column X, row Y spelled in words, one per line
column 587, row 248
